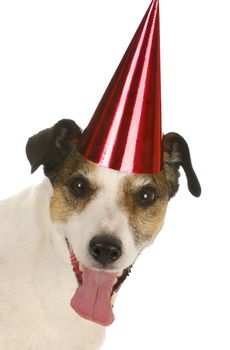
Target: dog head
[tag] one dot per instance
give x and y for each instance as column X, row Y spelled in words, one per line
column 107, row 217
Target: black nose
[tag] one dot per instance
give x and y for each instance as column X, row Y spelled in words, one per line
column 105, row 249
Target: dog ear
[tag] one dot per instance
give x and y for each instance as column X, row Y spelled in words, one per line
column 50, row 147
column 176, row 153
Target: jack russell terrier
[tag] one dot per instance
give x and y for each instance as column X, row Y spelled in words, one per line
column 74, row 238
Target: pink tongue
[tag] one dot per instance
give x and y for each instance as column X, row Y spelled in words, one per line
column 92, row 299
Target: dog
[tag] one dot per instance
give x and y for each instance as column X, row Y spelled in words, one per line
column 68, row 243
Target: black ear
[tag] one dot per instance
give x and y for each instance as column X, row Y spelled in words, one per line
column 176, row 152
column 50, row 147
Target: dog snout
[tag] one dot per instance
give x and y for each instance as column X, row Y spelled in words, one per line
column 105, row 249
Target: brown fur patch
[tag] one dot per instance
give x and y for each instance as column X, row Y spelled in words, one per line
column 64, row 203
column 146, row 222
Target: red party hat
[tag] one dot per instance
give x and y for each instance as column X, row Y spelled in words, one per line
column 125, row 131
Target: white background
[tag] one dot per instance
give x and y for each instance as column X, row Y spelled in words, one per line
column 56, row 59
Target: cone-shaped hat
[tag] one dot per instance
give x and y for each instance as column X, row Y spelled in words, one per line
column 125, row 131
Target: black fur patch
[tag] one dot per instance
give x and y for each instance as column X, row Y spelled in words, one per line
column 177, row 154
column 51, row 146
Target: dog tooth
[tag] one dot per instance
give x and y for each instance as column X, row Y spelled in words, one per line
column 119, row 274
column 113, row 298
column 81, row 267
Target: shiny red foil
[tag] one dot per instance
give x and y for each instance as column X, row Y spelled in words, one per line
column 125, row 131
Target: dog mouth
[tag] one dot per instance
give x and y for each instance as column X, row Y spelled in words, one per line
column 95, row 296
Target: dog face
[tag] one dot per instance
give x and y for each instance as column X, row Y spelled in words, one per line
column 107, row 217
column 95, row 204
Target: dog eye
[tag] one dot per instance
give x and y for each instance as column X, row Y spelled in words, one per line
column 79, row 187
column 146, row 196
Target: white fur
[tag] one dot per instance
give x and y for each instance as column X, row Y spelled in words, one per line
column 36, row 280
